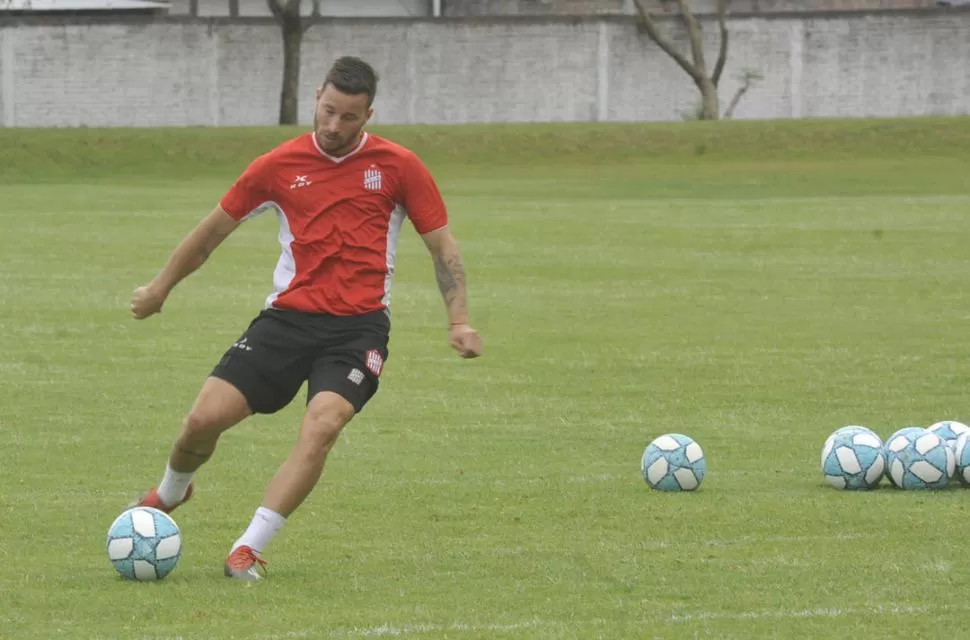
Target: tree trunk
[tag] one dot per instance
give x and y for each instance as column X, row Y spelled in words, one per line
column 290, row 93
column 292, row 27
column 710, row 108
column 696, row 68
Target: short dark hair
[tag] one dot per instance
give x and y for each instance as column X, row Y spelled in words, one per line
column 353, row 76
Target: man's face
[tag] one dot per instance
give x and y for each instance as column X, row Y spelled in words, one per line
column 339, row 118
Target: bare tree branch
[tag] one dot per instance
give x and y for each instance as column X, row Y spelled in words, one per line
column 315, row 14
column 694, row 35
column 276, row 7
column 748, row 78
column 646, row 23
column 707, row 85
column 722, row 52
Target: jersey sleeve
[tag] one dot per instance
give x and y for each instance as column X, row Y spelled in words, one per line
column 249, row 192
column 421, row 199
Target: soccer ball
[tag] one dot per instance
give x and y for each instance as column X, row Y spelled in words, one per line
column 948, row 430
column 853, row 458
column 144, row 544
column 673, row 462
column 918, row 459
column 961, row 452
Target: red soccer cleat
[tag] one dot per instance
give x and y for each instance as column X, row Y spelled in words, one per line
column 245, row 564
column 152, row 500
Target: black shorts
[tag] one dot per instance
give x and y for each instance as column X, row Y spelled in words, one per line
column 283, row 349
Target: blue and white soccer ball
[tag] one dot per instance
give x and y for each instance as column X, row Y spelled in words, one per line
column 673, row 462
column 949, row 431
column 918, row 459
column 144, row 544
column 961, row 451
column 853, row 458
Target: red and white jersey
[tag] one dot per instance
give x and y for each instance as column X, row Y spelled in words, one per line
column 340, row 219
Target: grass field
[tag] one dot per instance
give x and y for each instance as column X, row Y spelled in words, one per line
column 754, row 285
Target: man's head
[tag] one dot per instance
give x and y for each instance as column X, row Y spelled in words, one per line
column 343, row 104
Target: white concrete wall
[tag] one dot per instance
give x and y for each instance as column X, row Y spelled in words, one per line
column 337, row 8
column 182, row 72
column 584, row 7
column 418, row 8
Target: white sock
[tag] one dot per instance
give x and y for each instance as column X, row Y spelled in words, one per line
column 261, row 530
column 173, row 486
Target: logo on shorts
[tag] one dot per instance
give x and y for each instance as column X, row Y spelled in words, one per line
column 356, row 376
column 375, row 362
column 242, row 345
column 372, row 179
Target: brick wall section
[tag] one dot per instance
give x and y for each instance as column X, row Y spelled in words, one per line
column 336, row 8
column 828, row 5
column 470, row 8
column 467, row 8
column 184, row 72
column 5, row 58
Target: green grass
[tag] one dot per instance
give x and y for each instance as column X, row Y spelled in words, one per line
column 791, row 279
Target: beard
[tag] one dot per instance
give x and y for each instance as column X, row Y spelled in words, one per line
column 335, row 143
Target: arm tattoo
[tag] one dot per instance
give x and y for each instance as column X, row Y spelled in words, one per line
column 450, row 274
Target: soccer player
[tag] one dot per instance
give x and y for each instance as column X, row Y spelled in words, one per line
column 341, row 196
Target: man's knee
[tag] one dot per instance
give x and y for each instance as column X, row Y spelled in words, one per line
column 203, row 421
column 218, row 407
column 326, row 416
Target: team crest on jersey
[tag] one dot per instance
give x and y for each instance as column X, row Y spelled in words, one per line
column 372, row 179
column 375, row 362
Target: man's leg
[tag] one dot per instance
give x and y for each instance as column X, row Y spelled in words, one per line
column 260, row 373
column 218, row 407
column 341, row 380
column 326, row 415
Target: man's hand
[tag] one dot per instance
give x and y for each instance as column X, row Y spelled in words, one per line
column 146, row 301
column 465, row 341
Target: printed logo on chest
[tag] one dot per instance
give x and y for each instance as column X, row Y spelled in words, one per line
column 300, row 181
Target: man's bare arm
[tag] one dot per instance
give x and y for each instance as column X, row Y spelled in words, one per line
column 188, row 256
column 449, row 273
column 195, row 249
